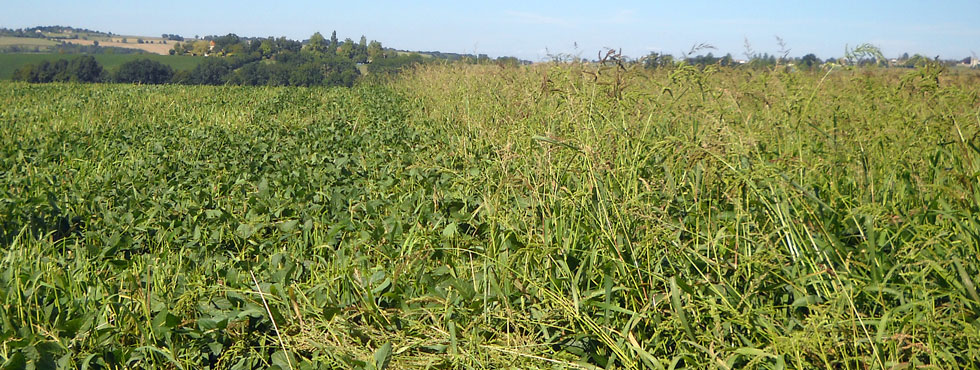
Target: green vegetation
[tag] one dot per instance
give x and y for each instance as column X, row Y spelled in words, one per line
column 11, row 62
column 283, row 62
column 8, row 42
column 480, row 216
column 143, row 71
column 81, row 69
column 394, row 64
column 252, row 62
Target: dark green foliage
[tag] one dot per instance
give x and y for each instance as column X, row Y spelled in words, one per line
column 394, row 64
column 294, row 69
column 361, row 51
column 80, row 69
column 273, row 62
column 334, row 42
column 508, row 61
column 809, row 61
column 253, row 74
column 109, row 62
column 225, row 42
column 84, row 69
column 710, row 59
column 317, row 44
column 306, row 74
column 143, row 71
column 212, row 71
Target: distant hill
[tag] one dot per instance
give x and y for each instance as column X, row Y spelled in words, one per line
column 460, row 57
column 46, row 39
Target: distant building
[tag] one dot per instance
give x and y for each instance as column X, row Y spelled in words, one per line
column 971, row 62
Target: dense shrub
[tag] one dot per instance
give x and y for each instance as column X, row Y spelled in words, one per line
column 295, row 69
column 143, row 71
column 212, row 71
column 81, row 69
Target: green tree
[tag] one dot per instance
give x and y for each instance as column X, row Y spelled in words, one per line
column 144, row 71
column 317, row 44
column 346, row 49
column 252, row 74
column 235, row 49
column 267, row 48
column 334, row 43
column 84, row 69
column 81, row 69
column 307, row 74
column 809, row 61
column 360, row 51
column 283, row 44
column 200, row 47
column 26, row 73
column 212, row 71
column 375, row 51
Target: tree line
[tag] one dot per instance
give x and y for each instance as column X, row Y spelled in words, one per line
column 38, row 32
column 211, row 71
column 241, row 61
column 863, row 55
column 807, row 62
column 81, row 69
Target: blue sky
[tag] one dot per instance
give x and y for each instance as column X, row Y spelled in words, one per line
column 533, row 29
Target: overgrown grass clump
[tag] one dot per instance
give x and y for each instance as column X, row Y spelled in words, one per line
column 553, row 216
